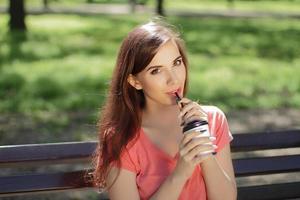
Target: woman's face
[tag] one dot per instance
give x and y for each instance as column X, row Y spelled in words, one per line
column 164, row 76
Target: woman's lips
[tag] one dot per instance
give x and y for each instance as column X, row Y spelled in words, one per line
column 174, row 91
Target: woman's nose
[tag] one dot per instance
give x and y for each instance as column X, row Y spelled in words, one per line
column 172, row 78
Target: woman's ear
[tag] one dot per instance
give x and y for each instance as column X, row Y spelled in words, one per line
column 134, row 82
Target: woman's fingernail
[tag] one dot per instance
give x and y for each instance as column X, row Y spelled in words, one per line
column 215, row 146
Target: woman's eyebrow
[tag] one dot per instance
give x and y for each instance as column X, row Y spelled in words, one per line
column 158, row 66
column 155, row 66
column 177, row 58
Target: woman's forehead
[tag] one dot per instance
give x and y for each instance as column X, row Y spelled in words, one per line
column 167, row 52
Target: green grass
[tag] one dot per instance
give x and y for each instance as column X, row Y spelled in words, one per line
column 244, row 63
column 243, row 5
column 69, row 3
column 64, row 63
column 285, row 6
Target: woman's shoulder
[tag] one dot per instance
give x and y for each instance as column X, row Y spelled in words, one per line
column 215, row 116
column 130, row 155
column 212, row 110
column 135, row 143
column 218, row 126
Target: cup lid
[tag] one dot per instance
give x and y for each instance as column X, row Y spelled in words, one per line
column 193, row 124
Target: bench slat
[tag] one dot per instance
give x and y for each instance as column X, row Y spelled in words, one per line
column 62, row 152
column 27, row 184
column 70, row 180
column 68, row 151
column 261, row 141
column 42, row 182
column 266, row 165
column 273, row 191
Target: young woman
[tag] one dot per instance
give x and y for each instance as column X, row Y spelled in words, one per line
column 142, row 151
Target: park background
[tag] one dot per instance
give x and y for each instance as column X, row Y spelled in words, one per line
column 244, row 58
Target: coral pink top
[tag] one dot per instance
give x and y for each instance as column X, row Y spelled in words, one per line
column 152, row 165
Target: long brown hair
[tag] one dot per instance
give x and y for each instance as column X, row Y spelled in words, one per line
column 121, row 114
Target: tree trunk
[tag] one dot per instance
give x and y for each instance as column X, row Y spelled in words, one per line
column 132, row 4
column 17, row 15
column 230, row 4
column 160, row 7
column 46, row 4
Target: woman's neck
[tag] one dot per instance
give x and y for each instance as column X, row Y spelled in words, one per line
column 160, row 115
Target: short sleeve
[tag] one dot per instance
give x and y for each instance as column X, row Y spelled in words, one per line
column 129, row 160
column 219, row 128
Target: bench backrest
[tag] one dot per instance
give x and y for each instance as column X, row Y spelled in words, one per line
column 80, row 152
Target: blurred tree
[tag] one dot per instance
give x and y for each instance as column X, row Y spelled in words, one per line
column 46, row 4
column 132, row 4
column 160, row 7
column 17, row 15
column 142, row 2
column 230, row 4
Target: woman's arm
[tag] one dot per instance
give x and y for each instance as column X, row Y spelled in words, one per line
column 219, row 176
column 124, row 186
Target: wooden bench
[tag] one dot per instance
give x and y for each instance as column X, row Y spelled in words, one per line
column 39, row 155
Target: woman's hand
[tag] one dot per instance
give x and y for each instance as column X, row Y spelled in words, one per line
column 193, row 150
column 190, row 111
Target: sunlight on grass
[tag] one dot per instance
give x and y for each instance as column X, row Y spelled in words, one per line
column 57, row 23
column 65, row 62
column 222, row 5
column 73, row 67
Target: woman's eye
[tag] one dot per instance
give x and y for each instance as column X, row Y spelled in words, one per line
column 178, row 62
column 155, row 71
